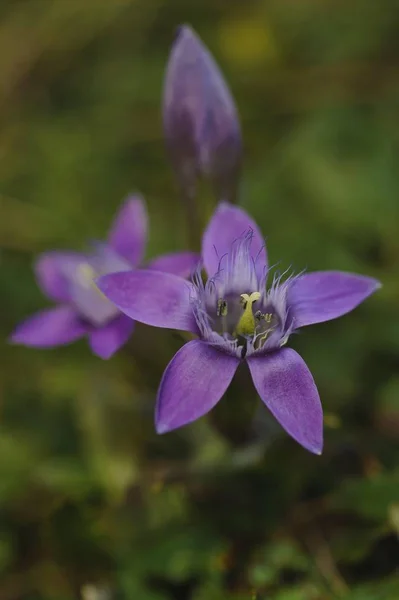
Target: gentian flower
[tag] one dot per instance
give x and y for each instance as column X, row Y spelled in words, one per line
column 237, row 317
column 67, row 278
column 200, row 119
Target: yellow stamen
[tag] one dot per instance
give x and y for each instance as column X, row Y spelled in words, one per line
column 268, row 318
column 246, row 324
column 222, row 308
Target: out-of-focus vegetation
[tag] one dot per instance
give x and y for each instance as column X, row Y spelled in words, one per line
column 93, row 504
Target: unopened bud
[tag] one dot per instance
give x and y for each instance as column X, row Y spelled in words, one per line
column 200, row 119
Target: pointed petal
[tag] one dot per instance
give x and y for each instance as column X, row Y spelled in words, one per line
column 49, row 328
column 152, row 297
column 105, row 341
column 52, row 269
column 193, row 382
column 128, row 233
column 182, row 264
column 227, row 224
column 200, row 119
column 325, row 295
column 286, row 386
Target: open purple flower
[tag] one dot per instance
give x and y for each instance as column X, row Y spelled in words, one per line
column 238, row 318
column 68, row 279
column 200, row 118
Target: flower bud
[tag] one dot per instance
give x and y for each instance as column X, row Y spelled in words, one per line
column 200, row 119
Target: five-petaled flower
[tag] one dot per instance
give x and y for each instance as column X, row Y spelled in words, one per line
column 237, row 317
column 68, row 278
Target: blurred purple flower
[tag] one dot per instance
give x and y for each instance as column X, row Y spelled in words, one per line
column 68, row 278
column 237, row 318
column 200, row 119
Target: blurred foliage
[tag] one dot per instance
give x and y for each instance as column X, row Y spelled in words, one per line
column 93, row 504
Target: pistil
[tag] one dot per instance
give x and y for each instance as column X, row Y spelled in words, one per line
column 246, row 324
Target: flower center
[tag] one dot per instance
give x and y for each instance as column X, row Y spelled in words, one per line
column 236, row 318
column 85, row 275
column 87, row 298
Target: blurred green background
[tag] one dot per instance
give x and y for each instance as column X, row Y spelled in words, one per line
column 93, row 504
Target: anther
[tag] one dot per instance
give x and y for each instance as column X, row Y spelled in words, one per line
column 266, row 316
column 221, row 308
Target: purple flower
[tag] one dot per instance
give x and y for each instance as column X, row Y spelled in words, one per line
column 237, row 317
column 200, row 119
column 68, row 278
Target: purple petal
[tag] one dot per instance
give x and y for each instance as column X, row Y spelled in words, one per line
column 152, row 297
column 179, row 263
column 193, row 382
column 200, row 119
column 286, row 386
column 105, row 341
column 52, row 269
column 227, row 224
column 128, row 233
column 325, row 295
column 49, row 328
